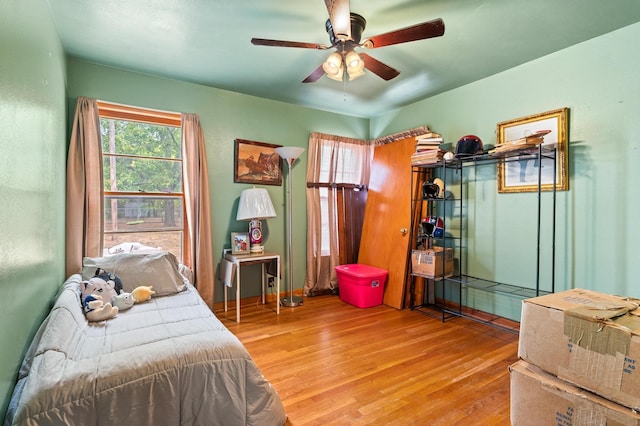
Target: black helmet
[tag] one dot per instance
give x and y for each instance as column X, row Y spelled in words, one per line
column 430, row 190
column 469, row 145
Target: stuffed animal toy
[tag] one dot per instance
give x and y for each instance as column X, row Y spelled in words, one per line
column 123, row 301
column 96, row 310
column 110, row 277
column 99, row 287
column 142, row 293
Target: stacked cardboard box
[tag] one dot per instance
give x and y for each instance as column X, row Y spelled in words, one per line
column 430, row 263
column 539, row 398
column 580, row 353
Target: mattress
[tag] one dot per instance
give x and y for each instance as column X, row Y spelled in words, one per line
column 167, row 361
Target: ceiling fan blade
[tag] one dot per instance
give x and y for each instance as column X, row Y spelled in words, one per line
column 340, row 17
column 378, row 68
column 283, row 43
column 315, row 75
column 430, row 29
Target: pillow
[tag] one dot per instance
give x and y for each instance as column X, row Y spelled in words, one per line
column 159, row 270
column 128, row 247
column 186, row 272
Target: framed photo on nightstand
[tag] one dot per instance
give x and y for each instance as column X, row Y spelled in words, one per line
column 240, row 243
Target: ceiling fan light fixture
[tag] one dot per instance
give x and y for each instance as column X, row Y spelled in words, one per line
column 355, row 74
column 354, row 61
column 337, row 76
column 355, row 65
column 333, row 66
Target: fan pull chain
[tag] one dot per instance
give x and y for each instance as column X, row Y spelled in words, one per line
column 344, row 89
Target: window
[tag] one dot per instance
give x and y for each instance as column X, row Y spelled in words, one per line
column 143, row 188
column 345, row 162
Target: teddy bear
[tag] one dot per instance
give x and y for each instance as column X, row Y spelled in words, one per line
column 99, row 287
column 97, row 296
column 110, row 277
column 142, row 293
column 96, row 310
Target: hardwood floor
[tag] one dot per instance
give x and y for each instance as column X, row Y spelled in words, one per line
column 333, row 363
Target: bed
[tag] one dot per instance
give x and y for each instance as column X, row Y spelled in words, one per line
column 167, row 361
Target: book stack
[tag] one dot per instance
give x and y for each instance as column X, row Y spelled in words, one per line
column 427, row 149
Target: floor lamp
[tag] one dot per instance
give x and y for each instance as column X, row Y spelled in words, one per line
column 290, row 154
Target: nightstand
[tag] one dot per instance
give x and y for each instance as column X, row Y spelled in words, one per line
column 240, row 260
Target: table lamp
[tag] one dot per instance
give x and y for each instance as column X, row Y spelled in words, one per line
column 255, row 204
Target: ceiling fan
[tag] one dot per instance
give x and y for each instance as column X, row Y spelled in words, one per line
column 345, row 33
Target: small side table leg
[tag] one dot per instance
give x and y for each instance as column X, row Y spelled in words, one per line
column 238, row 294
column 278, row 285
column 263, row 276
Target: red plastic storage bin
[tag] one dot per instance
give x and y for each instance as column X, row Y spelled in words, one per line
column 361, row 285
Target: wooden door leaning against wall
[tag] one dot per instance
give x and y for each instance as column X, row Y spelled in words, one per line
column 387, row 218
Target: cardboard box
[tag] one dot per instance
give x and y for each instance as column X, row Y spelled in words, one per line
column 429, row 263
column 361, row 285
column 587, row 338
column 539, row 398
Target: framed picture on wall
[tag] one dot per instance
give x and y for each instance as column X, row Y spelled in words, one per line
column 257, row 163
column 240, row 243
column 522, row 175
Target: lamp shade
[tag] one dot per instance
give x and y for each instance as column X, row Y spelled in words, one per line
column 355, row 65
column 255, row 203
column 333, row 66
column 289, row 152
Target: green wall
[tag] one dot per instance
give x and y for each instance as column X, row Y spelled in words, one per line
column 226, row 116
column 32, row 177
column 598, row 229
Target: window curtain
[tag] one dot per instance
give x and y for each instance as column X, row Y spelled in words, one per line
column 198, row 250
column 332, row 160
column 84, row 204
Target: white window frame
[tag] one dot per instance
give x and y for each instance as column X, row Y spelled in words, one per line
column 109, row 110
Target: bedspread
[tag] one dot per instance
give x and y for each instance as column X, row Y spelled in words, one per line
column 168, row 361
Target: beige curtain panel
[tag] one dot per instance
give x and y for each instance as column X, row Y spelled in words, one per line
column 198, row 252
column 84, row 187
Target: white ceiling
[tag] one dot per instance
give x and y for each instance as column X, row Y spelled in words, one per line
column 208, row 42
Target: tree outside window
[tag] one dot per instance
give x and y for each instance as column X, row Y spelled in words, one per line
column 143, row 187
